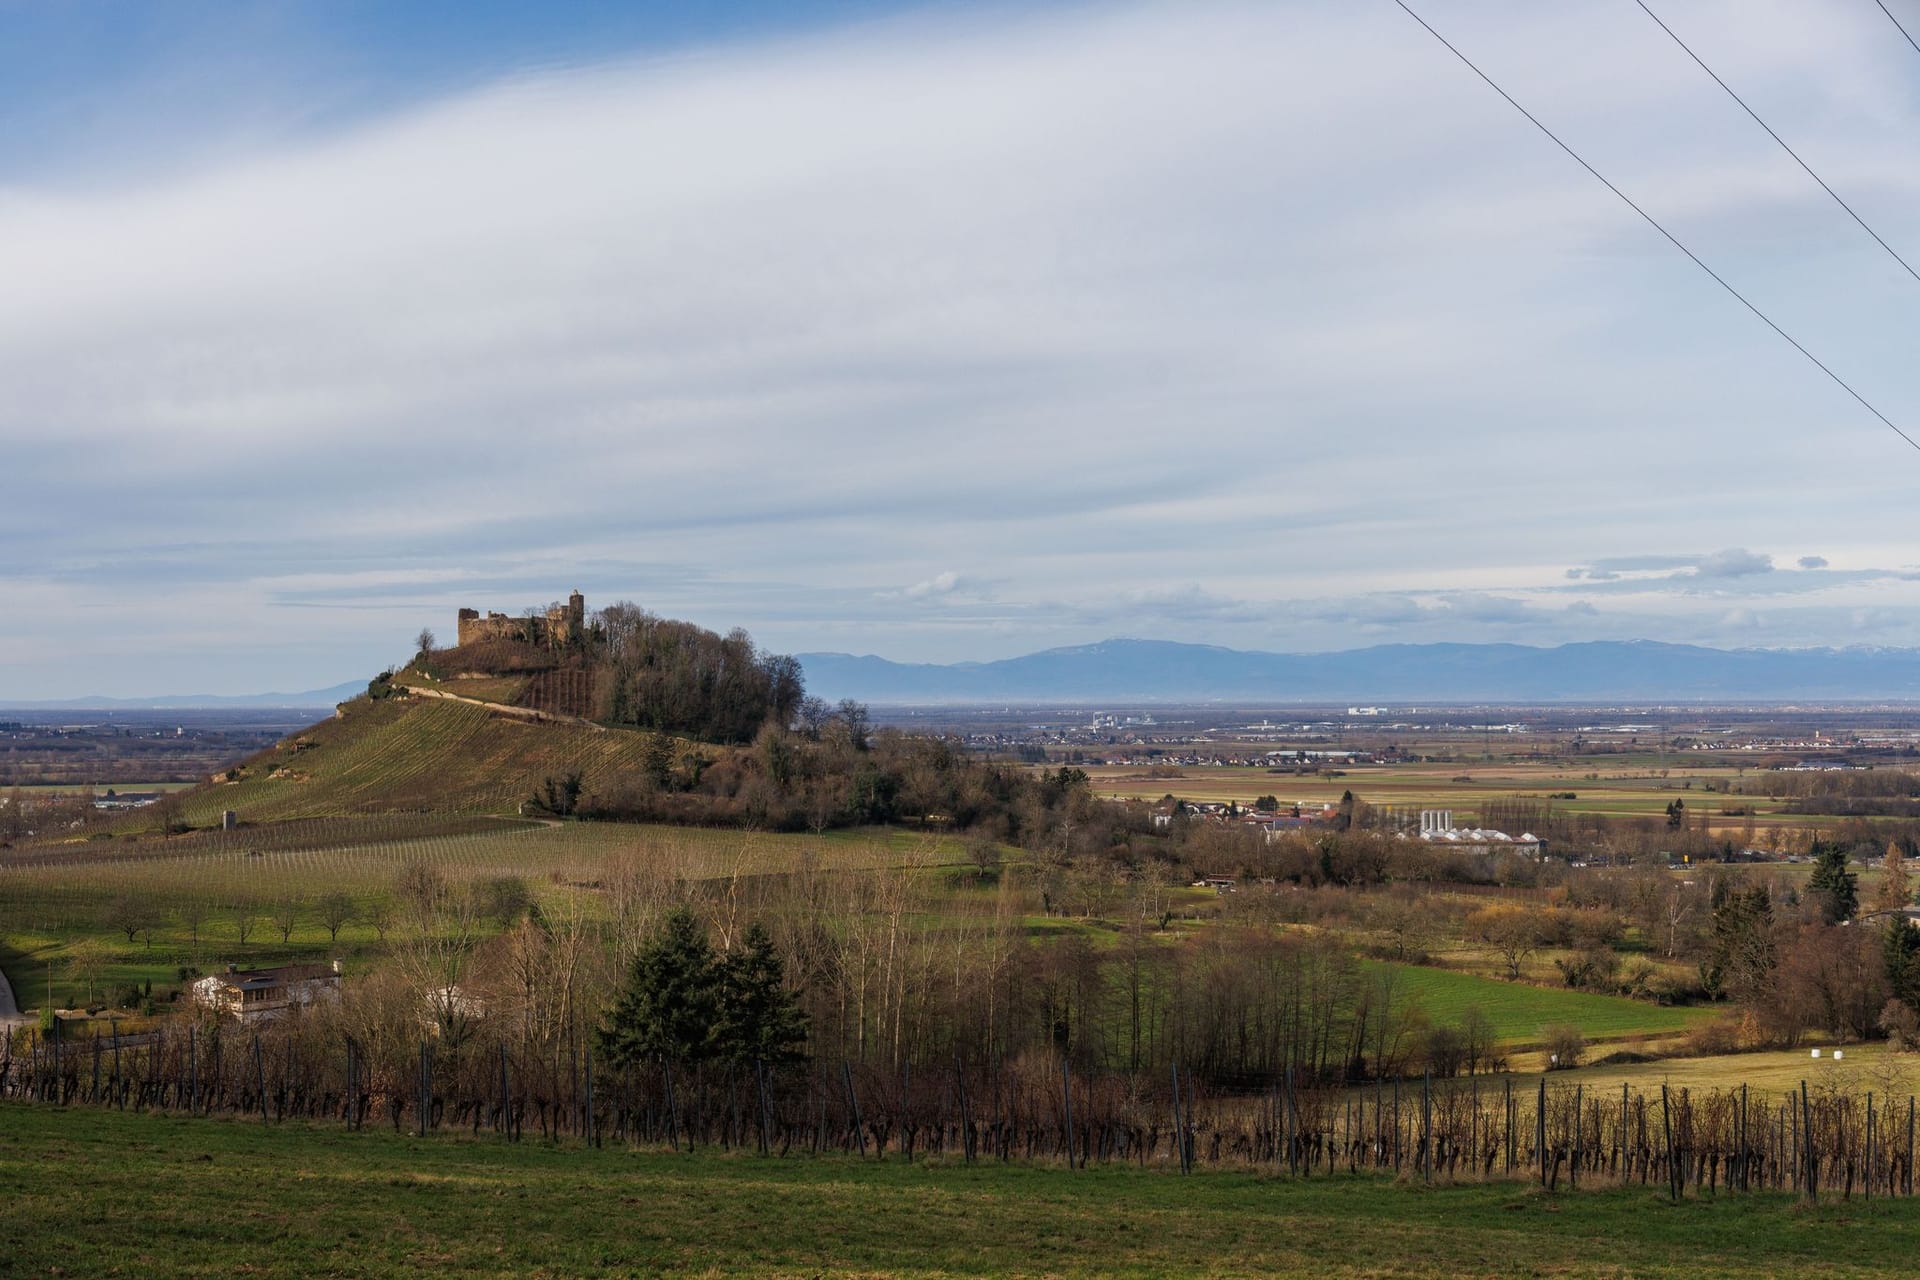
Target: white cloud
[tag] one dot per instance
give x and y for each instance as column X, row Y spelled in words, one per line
column 939, row 585
column 1734, row 562
column 1257, row 323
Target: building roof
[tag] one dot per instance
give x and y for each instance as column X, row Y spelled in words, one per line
column 266, row 979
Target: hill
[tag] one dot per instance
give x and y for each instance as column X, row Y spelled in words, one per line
column 1156, row 670
column 410, row 755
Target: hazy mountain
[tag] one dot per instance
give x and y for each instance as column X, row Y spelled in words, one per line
column 1156, row 670
column 311, row 699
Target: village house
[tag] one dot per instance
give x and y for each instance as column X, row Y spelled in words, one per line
column 264, row 994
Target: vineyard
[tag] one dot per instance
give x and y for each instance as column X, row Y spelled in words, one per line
column 1813, row 1141
column 64, row 889
column 416, row 755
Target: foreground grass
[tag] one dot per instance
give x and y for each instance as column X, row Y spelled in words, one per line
column 93, row 1193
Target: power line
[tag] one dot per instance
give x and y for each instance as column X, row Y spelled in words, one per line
column 1655, row 224
column 1782, row 141
column 1896, row 23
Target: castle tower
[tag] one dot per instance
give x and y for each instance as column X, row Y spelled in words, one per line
column 577, row 612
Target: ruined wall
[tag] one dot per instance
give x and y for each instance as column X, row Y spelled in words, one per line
column 562, row 625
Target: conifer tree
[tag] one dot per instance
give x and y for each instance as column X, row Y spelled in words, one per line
column 671, row 1001
column 1838, row 887
column 760, row 1019
column 1901, row 955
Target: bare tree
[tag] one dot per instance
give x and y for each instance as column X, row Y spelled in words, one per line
column 379, row 917
column 1513, row 932
column 1477, row 1037
column 1896, row 884
column 285, row 914
column 336, row 912
column 130, row 914
column 87, row 962
column 424, row 642
column 244, row 921
column 193, row 914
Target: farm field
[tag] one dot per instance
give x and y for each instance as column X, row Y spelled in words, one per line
column 1612, row 790
column 1518, row 1011
column 375, row 1204
column 1865, row 1067
column 49, row 901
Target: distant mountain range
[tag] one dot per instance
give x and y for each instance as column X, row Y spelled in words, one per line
column 1167, row 671
column 312, row 699
column 1163, row 671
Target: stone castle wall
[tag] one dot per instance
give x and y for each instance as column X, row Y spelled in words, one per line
column 561, row 625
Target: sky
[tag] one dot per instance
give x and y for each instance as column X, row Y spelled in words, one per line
column 944, row 332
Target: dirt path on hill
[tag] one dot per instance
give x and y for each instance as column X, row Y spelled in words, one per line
column 523, row 713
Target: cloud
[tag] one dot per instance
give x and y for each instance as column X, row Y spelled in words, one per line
column 1813, row 562
column 757, row 334
column 939, row 585
column 1734, row 562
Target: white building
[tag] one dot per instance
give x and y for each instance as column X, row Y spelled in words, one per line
column 263, row 994
column 1436, row 827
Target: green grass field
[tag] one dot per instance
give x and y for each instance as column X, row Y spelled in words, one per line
column 100, row 1193
column 1518, row 1011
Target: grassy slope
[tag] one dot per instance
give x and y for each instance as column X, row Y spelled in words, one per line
column 411, row 755
column 98, row 1193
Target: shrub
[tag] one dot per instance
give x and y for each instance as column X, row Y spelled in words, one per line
column 1565, row 1044
column 1901, row 1025
column 1722, row 1035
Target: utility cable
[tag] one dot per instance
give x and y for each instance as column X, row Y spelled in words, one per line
column 1655, row 224
column 1896, row 24
column 1782, row 141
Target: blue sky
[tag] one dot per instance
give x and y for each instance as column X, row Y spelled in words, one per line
column 940, row 332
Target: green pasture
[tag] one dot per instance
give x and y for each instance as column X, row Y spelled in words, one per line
column 1519, row 1011
column 105, row 1193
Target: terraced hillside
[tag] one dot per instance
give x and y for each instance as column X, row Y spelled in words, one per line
column 416, row 755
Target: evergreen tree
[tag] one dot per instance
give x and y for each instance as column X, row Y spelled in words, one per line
column 1901, row 952
column 1743, row 950
column 671, row 1001
column 687, row 1005
column 759, row 1017
column 1838, row 887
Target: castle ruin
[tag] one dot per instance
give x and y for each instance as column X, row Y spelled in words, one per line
column 561, row 625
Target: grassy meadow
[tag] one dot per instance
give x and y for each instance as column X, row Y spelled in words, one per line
column 106, row 1193
column 1519, row 1011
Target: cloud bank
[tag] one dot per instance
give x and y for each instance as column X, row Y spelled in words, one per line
column 955, row 336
